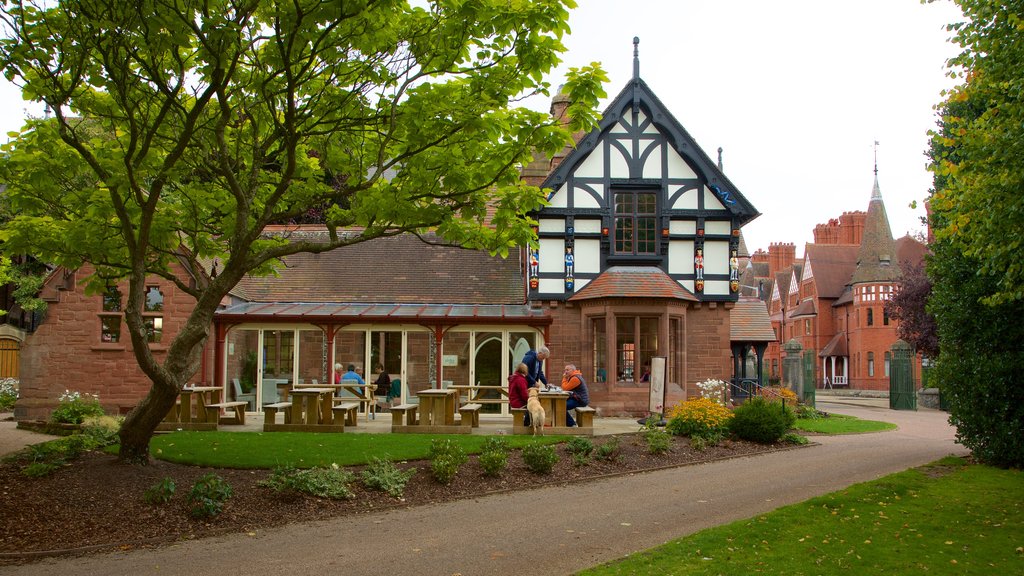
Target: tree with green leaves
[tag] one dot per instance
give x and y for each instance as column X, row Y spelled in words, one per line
column 978, row 215
column 182, row 128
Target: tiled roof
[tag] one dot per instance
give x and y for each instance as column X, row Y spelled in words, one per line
column 910, row 252
column 383, row 313
column 876, row 259
column 400, row 269
column 805, row 308
column 845, row 298
column 832, row 266
column 634, row 282
column 835, row 347
column 749, row 322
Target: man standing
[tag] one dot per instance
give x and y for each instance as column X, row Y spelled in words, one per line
column 534, row 361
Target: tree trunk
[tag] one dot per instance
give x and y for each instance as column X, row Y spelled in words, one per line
column 141, row 422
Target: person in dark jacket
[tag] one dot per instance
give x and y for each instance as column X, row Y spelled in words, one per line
column 383, row 384
column 573, row 383
column 534, row 361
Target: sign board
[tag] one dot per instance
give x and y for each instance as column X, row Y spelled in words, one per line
column 657, row 401
column 450, row 360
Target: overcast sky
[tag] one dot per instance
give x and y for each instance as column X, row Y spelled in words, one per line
column 796, row 92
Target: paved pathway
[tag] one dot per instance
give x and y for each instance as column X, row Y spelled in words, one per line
column 550, row 530
column 12, row 439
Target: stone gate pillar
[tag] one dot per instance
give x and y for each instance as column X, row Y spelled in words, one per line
column 792, row 367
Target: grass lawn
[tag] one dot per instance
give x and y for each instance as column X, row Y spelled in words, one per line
column 840, row 424
column 945, row 518
column 307, row 449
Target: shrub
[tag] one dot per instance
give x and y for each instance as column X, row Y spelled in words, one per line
column 808, row 412
column 494, row 456
column 658, row 441
column 793, row 438
column 540, row 458
column 160, row 493
column 579, row 446
column 761, row 421
column 609, row 451
column 8, row 393
column 384, row 476
column 493, row 462
column 445, row 459
column 74, row 407
column 208, row 495
column 103, row 429
column 699, row 417
column 329, row 482
column 40, row 469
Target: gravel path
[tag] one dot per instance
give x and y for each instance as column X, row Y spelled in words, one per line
column 548, row 531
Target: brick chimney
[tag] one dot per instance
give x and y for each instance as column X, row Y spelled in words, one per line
column 781, row 255
column 851, row 227
column 560, row 112
column 759, row 257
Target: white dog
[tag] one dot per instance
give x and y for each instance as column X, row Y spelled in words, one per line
column 536, row 411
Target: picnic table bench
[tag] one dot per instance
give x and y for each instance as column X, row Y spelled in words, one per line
column 238, row 407
column 470, row 414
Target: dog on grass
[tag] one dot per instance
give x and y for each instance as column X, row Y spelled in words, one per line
column 536, row 411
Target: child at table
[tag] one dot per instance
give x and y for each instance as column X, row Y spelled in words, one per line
column 517, row 393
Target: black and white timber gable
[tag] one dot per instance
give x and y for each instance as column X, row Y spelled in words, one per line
column 639, row 191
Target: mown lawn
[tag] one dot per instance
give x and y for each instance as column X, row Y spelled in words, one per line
column 945, row 518
column 307, row 449
column 841, row 424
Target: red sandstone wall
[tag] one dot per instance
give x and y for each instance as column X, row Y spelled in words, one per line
column 65, row 353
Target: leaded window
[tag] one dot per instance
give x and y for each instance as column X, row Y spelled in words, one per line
column 636, row 222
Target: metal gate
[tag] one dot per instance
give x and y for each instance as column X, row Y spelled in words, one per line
column 902, row 395
column 9, row 355
column 810, row 363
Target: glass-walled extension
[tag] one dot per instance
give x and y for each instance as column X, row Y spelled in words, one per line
column 261, row 361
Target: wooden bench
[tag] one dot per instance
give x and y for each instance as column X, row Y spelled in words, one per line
column 408, row 411
column 470, row 414
column 585, row 416
column 518, row 417
column 270, row 412
column 346, row 412
column 213, row 412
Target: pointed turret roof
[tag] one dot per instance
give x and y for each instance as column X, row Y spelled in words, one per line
column 876, row 259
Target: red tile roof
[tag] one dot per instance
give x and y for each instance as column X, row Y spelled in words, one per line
column 832, row 266
column 634, row 282
column 749, row 322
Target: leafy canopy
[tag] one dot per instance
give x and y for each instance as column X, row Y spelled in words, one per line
column 181, row 129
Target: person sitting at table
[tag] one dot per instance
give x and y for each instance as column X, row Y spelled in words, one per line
column 383, row 384
column 350, row 375
column 573, row 383
column 517, row 394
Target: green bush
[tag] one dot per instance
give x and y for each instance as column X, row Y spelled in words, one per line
column 658, row 441
column 208, row 495
column 493, row 462
column 384, row 476
column 579, row 446
column 40, row 469
column 446, row 457
column 103, row 429
column 8, row 394
column 74, row 407
column 609, row 451
column 494, row 456
column 540, row 458
column 761, row 421
column 160, row 493
column 329, row 482
column 793, row 438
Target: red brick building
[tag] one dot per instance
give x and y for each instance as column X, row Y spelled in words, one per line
column 832, row 301
column 638, row 263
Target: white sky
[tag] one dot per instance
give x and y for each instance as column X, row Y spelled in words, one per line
column 795, row 91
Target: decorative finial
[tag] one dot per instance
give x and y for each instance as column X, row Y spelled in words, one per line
column 720, row 158
column 876, row 191
column 876, row 159
column 636, row 57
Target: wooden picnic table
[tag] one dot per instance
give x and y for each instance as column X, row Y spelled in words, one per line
column 437, row 407
column 189, row 412
column 475, row 393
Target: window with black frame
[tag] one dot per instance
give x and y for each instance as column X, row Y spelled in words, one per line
column 636, row 215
